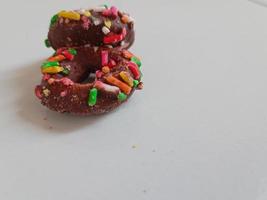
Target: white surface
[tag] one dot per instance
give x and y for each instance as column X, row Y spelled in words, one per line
column 199, row 126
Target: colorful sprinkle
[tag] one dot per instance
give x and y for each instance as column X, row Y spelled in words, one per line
column 92, row 97
column 57, row 58
column 105, row 70
column 122, row 96
column 111, row 63
column 53, row 70
column 98, row 74
column 125, row 19
column 73, row 51
column 127, row 54
column 136, row 61
column 127, row 78
column 63, row 93
column 100, row 8
column 104, row 57
column 49, row 64
column 135, row 82
column 108, row 23
column 68, row 55
column 114, row 11
column 114, row 81
column 134, row 69
column 53, row 20
column 66, row 71
column 107, row 88
column 105, row 30
column 38, row 92
column 96, row 21
column 47, row 43
column 70, row 15
column 46, row 92
column 51, row 81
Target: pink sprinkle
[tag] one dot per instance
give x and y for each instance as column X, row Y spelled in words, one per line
column 86, row 22
column 63, row 93
column 51, row 81
column 98, row 74
column 46, row 77
column 114, row 11
column 104, row 55
column 38, row 92
column 108, row 88
column 67, row 81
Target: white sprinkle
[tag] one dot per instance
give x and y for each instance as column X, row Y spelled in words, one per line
column 96, row 21
column 105, row 30
column 68, row 67
column 81, row 11
column 95, row 49
column 67, row 20
column 99, row 9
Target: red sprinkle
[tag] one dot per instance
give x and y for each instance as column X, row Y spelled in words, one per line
column 46, row 77
column 68, row 55
column 134, row 69
column 113, row 38
column 60, row 50
column 38, row 93
column 66, row 81
column 104, row 56
column 111, row 63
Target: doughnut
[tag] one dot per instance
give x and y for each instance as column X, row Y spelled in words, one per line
column 86, row 75
column 96, row 27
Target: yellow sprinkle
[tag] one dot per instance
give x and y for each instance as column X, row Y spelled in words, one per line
column 53, row 70
column 105, row 69
column 127, row 78
column 87, row 13
column 70, row 15
column 108, row 23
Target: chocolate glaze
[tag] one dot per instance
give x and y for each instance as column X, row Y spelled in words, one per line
column 75, row 34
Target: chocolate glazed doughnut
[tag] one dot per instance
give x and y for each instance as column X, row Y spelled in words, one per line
column 91, row 72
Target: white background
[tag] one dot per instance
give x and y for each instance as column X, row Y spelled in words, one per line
column 198, row 130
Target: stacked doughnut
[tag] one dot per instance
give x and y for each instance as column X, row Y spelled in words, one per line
column 91, row 71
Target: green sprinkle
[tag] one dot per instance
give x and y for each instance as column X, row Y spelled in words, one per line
column 135, row 82
column 122, row 96
column 53, row 20
column 47, row 43
column 50, row 64
column 105, row 5
column 73, row 52
column 136, row 61
column 66, row 71
column 92, row 97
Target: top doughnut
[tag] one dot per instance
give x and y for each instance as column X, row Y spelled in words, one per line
column 100, row 26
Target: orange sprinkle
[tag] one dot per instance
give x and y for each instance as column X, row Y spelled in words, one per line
column 127, row 54
column 57, row 58
column 125, row 19
column 105, row 69
column 123, row 86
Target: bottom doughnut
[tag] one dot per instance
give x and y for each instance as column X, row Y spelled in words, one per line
column 88, row 80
